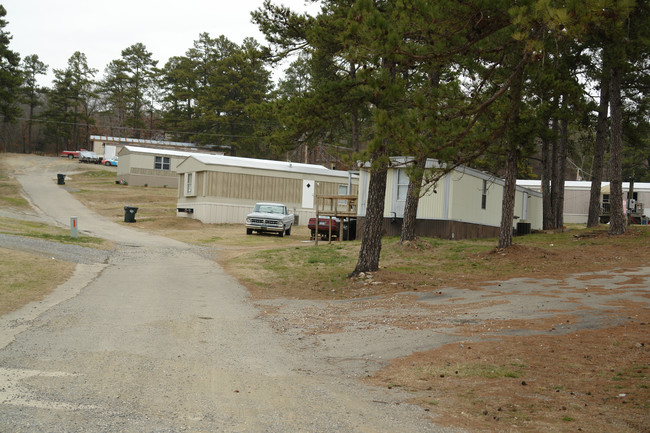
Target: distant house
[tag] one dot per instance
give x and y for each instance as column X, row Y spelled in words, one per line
column 150, row 166
column 111, row 146
column 577, row 193
column 224, row 189
column 466, row 203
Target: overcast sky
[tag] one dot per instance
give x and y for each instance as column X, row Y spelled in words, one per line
column 55, row 29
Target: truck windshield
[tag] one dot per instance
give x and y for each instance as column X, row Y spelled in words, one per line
column 269, row 209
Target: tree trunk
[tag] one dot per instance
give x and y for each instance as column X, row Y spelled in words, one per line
column 372, row 231
column 354, row 114
column 554, row 172
column 412, row 202
column 75, row 143
column 561, row 174
column 547, row 206
column 355, row 131
column 617, row 217
column 508, row 204
column 593, row 218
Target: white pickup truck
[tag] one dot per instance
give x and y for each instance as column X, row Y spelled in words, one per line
column 269, row 217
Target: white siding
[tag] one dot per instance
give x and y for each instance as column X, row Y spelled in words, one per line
column 466, row 200
column 534, row 217
column 459, row 197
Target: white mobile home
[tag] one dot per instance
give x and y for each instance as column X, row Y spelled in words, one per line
column 111, row 146
column 465, row 203
column 224, row 189
column 577, row 193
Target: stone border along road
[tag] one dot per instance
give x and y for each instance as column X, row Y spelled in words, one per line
column 156, row 337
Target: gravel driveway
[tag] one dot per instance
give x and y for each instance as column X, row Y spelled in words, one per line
column 156, row 337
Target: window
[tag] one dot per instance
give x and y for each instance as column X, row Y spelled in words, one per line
column 189, row 184
column 402, row 184
column 343, row 190
column 484, row 195
column 162, row 163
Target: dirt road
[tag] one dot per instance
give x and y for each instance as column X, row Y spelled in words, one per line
column 159, row 338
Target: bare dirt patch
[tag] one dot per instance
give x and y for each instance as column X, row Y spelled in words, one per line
column 591, row 381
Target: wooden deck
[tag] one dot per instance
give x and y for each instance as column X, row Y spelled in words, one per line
column 335, row 206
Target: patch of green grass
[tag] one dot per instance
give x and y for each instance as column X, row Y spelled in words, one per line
column 301, row 258
column 325, row 256
column 567, row 418
column 48, row 232
column 633, row 372
column 10, row 192
column 99, row 173
column 67, row 239
column 14, row 201
column 308, row 270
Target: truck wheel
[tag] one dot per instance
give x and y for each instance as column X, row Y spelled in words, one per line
column 282, row 232
column 70, row 156
column 249, row 231
column 289, row 231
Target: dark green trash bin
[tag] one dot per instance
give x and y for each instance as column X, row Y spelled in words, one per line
column 129, row 214
column 523, row 229
column 60, row 179
column 349, row 229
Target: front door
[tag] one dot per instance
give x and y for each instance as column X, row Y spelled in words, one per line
column 400, row 189
column 308, row 188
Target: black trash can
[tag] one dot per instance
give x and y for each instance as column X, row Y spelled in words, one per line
column 60, row 179
column 129, row 214
column 523, row 229
column 350, row 229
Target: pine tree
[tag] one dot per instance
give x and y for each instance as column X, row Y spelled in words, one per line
column 10, row 74
column 31, row 92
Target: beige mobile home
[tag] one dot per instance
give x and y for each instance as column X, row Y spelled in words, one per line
column 465, row 203
column 224, row 189
column 577, row 193
column 149, row 166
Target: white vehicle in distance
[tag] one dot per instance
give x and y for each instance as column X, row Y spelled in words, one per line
column 269, row 217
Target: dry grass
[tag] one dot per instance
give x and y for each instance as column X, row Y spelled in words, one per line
column 10, row 191
column 590, row 381
column 310, row 272
column 25, row 278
